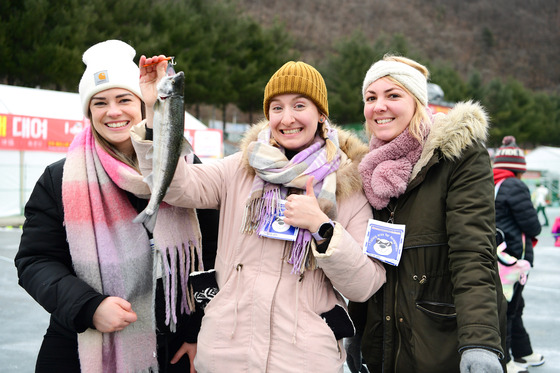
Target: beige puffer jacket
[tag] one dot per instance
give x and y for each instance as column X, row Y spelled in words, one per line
column 264, row 318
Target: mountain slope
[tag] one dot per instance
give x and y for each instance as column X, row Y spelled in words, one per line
column 499, row 38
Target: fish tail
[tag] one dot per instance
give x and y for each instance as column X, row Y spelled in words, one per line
column 149, row 220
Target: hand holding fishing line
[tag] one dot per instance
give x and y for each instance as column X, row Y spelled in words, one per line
column 303, row 211
column 152, row 70
column 155, row 63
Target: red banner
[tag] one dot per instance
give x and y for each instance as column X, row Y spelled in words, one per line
column 19, row 132
column 439, row 108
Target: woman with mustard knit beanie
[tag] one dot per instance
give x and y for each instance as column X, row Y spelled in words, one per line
column 293, row 218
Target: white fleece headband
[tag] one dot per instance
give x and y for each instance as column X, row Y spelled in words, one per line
column 109, row 64
column 405, row 74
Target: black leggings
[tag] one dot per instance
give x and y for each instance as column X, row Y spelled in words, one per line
column 518, row 342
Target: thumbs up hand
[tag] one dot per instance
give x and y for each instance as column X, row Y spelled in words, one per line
column 303, row 211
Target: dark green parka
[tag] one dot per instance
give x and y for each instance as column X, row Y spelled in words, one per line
column 445, row 295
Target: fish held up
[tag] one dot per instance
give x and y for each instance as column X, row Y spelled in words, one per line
column 169, row 143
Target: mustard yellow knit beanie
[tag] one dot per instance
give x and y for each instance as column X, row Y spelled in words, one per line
column 297, row 77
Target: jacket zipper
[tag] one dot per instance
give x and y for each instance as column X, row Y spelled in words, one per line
column 391, row 220
column 388, row 320
column 396, row 325
column 271, row 315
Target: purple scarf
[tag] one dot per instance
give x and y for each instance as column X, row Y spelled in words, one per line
column 275, row 174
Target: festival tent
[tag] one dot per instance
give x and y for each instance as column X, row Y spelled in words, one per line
column 543, row 166
column 36, row 128
column 544, row 159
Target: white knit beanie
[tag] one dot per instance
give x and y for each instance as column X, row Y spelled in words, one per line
column 109, row 64
column 405, row 74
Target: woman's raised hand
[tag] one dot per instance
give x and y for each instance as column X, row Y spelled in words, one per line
column 152, row 70
column 303, row 211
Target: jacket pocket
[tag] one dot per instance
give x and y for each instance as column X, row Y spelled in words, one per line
column 437, row 310
column 434, row 336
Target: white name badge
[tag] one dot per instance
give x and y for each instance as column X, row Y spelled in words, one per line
column 384, row 241
column 276, row 228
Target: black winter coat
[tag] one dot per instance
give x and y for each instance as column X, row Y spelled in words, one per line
column 45, row 267
column 515, row 215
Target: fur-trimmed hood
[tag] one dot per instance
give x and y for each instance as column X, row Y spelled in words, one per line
column 451, row 133
column 348, row 180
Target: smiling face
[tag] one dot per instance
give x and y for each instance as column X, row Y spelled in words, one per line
column 293, row 121
column 113, row 112
column 388, row 109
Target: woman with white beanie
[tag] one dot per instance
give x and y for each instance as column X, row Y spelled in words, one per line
column 442, row 307
column 83, row 259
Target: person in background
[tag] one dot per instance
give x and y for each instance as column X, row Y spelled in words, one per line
column 280, row 305
column 540, row 200
column 83, row 259
column 517, row 219
column 442, row 307
column 556, row 231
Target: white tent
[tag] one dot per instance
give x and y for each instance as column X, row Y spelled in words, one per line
column 545, row 159
column 39, row 102
column 21, row 168
column 192, row 123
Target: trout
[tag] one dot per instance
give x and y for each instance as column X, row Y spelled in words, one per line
column 169, row 143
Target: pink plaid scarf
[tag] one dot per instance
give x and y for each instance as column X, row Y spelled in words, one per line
column 114, row 256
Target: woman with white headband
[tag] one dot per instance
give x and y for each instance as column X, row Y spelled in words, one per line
column 442, row 307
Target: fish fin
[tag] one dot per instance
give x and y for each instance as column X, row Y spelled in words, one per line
column 186, row 148
column 158, row 102
column 149, row 220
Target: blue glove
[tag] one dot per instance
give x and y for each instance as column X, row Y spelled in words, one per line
column 353, row 347
column 480, row 360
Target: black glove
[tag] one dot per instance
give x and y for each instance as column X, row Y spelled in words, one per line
column 339, row 321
